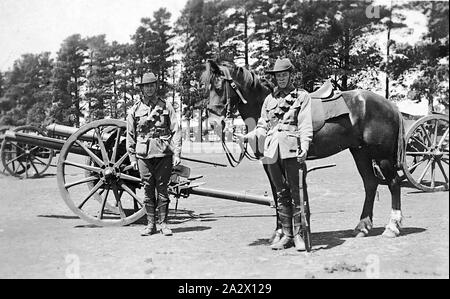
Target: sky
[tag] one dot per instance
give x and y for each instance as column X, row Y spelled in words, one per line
column 35, row 26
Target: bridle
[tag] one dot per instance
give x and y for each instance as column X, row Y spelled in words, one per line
column 234, row 162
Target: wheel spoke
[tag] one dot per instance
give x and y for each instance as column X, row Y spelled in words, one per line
column 18, row 147
column 40, row 161
column 443, row 138
column 83, row 166
column 90, row 153
column 129, row 191
column 116, row 146
column 102, row 207
column 26, row 168
column 102, row 146
column 121, row 160
column 443, row 172
column 93, row 190
column 119, row 204
column 130, row 178
column 34, row 167
column 413, row 167
column 424, row 171
column 82, row 181
column 433, row 167
column 16, row 158
column 419, row 142
column 424, row 132
column 417, row 153
column 21, row 164
column 436, row 125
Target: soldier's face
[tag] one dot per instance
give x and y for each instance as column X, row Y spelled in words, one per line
column 282, row 79
column 149, row 90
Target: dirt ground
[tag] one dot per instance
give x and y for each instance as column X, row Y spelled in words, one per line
column 216, row 238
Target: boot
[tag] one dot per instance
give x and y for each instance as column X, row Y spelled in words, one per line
column 286, row 222
column 150, row 229
column 163, row 213
column 298, row 240
column 276, row 236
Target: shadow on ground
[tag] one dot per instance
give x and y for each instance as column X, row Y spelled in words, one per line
column 330, row 239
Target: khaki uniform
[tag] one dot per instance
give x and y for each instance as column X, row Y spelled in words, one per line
column 285, row 120
column 285, row 126
column 153, row 131
column 153, row 137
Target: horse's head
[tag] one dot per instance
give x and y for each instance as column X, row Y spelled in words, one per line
column 220, row 100
column 232, row 88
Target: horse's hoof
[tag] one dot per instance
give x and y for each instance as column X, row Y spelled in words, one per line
column 388, row 233
column 360, row 234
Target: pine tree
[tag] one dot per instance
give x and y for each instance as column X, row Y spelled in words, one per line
column 28, row 87
column 68, row 78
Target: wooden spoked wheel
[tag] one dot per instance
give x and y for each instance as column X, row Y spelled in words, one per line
column 3, row 129
column 101, row 189
column 24, row 160
column 427, row 153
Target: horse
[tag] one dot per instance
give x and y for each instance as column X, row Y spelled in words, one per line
column 373, row 131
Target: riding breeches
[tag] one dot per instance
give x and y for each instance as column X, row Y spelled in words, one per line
column 155, row 173
column 284, row 176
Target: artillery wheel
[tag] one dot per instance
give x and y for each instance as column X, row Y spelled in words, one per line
column 427, row 153
column 3, row 129
column 105, row 175
column 24, row 160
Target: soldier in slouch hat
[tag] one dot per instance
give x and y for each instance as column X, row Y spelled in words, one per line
column 154, row 147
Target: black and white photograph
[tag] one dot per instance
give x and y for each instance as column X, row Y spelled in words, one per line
column 224, row 145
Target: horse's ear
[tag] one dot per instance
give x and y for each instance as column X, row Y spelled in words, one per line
column 214, row 66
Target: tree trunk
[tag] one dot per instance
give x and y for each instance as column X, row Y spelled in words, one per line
column 246, row 39
column 388, row 51
column 77, row 105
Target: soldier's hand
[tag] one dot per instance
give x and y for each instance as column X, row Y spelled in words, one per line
column 176, row 160
column 240, row 138
column 135, row 165
column 301, row 156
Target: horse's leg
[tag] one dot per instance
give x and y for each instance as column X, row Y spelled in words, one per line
column 364, row 165
column 392, row 229
column 278, row 232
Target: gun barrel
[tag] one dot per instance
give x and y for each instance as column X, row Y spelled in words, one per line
column 249, row 198
column 56, row 130
column 41, row 141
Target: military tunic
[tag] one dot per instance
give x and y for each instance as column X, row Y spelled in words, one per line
column 153, row 137
column 284, row 126
column 153, row 131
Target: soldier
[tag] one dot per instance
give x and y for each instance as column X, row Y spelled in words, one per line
column 285, row 126
column 154, row 147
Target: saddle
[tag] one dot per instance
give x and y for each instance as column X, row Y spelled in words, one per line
column 326, row 103
column 326, row 92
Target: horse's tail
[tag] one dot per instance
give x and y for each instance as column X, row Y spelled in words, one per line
column 401, row 148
